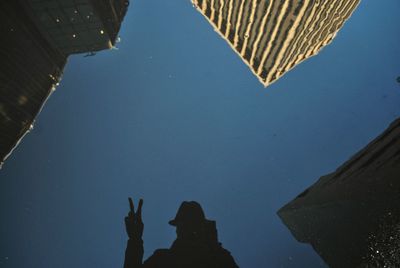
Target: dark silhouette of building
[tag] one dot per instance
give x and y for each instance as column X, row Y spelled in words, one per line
column 37, row 38
column 352, row 216
column 196, row 245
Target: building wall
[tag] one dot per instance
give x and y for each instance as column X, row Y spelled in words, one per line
column 37, row 37
column 342, row 214
column 77, row 26
column 112, row 14
column 274, row 36
column 29, row 69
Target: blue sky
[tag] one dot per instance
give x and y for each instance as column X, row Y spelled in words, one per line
column 174, row 115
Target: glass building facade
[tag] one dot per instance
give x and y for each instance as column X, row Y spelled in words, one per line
column 39, row 35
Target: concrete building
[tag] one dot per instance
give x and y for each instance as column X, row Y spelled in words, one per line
column 352, row 216
column 37, row 38
column 273, row 36
column 78, row 26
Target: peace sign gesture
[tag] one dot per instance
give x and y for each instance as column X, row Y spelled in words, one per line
column 133, row 222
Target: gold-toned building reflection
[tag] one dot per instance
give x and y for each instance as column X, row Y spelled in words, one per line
column 273, row 36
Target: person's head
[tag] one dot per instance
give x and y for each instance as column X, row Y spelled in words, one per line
column 190, row 222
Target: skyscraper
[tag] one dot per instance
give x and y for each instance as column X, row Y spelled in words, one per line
column 273, row 36
column 78, row 26
column 352, row 216
column 37, row 38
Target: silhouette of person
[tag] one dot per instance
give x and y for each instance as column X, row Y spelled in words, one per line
column 196, row 245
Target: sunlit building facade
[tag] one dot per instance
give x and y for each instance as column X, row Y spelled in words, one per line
column 37, row 38
column 273, row 36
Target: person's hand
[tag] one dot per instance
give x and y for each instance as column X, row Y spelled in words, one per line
column 133, row 222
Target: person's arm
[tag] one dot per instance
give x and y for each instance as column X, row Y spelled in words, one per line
column 134, row 229
column 134, row 253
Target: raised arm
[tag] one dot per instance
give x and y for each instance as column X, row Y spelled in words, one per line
column 134, row 229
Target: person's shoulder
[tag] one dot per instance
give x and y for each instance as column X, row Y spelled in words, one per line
column 161, row 252
column 226, row 258
column 223, row 250
column 159, row 257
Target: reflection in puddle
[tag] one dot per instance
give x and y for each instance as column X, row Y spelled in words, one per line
column 352, row 216
column 274, row 36
column 40, row 36
column 384, row 246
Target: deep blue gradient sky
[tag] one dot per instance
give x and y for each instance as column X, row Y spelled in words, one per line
column 175, row 115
